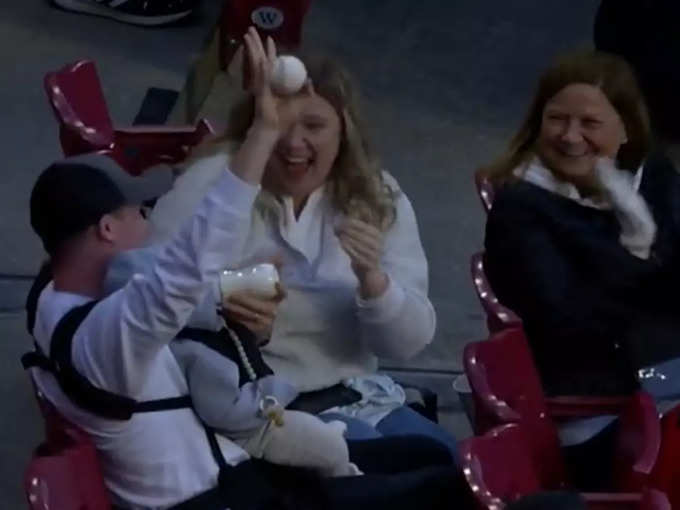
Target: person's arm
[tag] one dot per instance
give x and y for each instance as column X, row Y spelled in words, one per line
column 175, row 207
column 141, row 261
column 125, row 331
column 122, row 335
column 214, row 387
column 401, row 321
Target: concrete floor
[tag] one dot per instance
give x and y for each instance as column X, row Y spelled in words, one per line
column 446, row 82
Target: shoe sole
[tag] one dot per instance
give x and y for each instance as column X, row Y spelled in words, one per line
column 88, row 7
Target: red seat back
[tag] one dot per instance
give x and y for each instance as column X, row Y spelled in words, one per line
column 64, row 472
column 78, row 102
column 504, row 380
column 138, row 148
column 498, row 317
column 485, row 190
column 499, row 470
column 654, row 500
column 85, row 126
column 666, row 475
column 280, row 19
column 638, row 443
column 506, row 389
column 498, row 466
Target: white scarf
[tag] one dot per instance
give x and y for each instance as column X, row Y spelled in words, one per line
column 638, row 229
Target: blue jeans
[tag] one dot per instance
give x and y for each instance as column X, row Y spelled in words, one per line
column 402, row 421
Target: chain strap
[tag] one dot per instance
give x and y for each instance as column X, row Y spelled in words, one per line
column 269, row 405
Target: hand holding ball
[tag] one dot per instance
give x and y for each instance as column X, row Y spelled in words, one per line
column 288, row 75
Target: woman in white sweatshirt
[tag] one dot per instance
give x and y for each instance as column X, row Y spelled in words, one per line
column 351, row 261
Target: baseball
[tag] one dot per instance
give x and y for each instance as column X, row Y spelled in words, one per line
column 288, row 76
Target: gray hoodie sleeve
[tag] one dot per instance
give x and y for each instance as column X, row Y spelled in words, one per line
column 141, row 261
column 214, row 387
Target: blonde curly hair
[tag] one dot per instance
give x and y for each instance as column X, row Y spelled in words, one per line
column 356, row 182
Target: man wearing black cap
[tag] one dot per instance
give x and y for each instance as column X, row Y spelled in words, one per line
column 103, row 361
column 87, row 209
column 85, row 214
column 161, row 455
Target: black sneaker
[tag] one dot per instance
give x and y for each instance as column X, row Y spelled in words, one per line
column 138, row 12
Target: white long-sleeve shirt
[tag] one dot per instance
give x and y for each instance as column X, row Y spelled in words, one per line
column 153, row 460
column 218, row 396
column 324, row 333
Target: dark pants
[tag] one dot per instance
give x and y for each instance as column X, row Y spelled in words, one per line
column 400, row 473
column 590, row 464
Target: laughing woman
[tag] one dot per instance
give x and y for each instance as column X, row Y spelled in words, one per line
column 583, row 240
column 350, row 256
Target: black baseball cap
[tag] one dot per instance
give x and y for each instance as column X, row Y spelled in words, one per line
column 73, row 194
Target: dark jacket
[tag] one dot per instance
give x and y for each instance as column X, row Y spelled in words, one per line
column 593, row 312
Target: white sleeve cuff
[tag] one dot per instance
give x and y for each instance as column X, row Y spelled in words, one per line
column 382, row 308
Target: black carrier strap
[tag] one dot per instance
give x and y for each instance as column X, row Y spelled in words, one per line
column 42, row 280
column 77, row 387
column 164, row 404
column 118, row 407
column 221, row 342
column 37, row 359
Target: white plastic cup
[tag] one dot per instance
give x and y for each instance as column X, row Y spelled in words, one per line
column 260, row 279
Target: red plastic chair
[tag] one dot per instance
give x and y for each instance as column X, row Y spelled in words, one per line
column 638, row 443
column 506, row 389
column 486, row 460
column 280, row 19
column 85, row 125
column 64, row 473
column 498, row 317
column 499, row 470
column 485, row 190
column 666, row 475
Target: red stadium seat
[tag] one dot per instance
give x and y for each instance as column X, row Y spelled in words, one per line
column 280, row 19
column 506, row 389
column 498, row 317
column 499, row 470
column 85, row 125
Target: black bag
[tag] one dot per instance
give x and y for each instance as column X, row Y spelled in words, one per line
column 315, row 402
